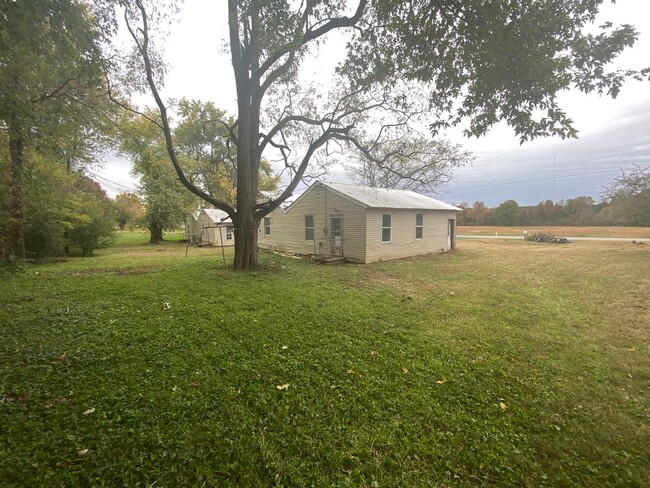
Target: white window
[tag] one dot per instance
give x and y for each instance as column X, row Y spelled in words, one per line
column 419, row 221
column 309, row 227
column 386, row 228
column 228, row 233
column 267, row 226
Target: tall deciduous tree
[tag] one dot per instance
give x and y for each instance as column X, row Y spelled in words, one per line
column 407, row 62
column 204, row 154
column 506, row 214
column 416, row 164
column 127, row 209
column 207, row 154
column 580, row 210
column 165, row 200
column 628, row 197
column 479, row 213
column 51, row 78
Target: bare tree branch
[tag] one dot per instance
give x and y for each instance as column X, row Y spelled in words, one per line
column 126, row 106
column 265, row 208
column 144, row 52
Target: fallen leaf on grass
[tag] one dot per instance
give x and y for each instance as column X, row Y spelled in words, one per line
column 167, row 305
column 82, row 452
column 284, row 348
column 349, row 371
column 503, row 406
column 441, row 382
column 283, row 387
column 89, row 411
column 406, row 370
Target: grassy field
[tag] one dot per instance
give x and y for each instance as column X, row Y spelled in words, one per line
column 487, row 230
column 505, row 363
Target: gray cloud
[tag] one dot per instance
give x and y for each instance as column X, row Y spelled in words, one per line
column 556, row 169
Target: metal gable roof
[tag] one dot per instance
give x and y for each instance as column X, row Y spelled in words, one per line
column 217, row 216
column 388, row 198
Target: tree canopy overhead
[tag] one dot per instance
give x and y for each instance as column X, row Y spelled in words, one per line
column 484, row 62
column 407, row 65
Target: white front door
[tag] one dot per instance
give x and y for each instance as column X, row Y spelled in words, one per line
column 336, row 246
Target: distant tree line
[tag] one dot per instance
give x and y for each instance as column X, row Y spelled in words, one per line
column 626, row 201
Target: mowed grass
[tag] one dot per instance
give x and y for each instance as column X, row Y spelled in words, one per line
column 503, row 363
column 563, row 231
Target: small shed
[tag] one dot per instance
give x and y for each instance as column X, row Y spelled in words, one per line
column 215, row 228
column 360, row 224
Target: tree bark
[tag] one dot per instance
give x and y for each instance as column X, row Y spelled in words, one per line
column 156, row 230
column 15, row 238
column 246, row 225
column 246, row 63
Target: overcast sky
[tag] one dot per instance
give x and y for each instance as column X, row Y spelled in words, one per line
column 614, row 134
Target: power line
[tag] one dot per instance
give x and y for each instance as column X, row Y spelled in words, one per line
column 111, row 185
column 540, row 179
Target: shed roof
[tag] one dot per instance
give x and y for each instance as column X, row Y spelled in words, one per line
column 388, row 197
column 217, row 216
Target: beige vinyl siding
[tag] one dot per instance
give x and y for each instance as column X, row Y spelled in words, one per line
column 403, row 235
column 288, row 228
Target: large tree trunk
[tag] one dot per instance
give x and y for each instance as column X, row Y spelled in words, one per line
column 245, row 242
column 156, row 230
column 15, row 238
column 247, row 224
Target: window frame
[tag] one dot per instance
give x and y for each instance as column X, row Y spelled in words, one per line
column 419, row 227
column 388, row 228
column 229, row 232
column 267, row 226
column 310, row 228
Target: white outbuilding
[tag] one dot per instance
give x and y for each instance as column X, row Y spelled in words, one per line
column 214, row 228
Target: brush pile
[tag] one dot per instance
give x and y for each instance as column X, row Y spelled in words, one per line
column 541, row 237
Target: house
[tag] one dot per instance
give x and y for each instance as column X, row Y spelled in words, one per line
column 215, row 228
column 360, row 224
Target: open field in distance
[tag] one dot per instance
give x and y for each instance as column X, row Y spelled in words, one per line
column 561, row 231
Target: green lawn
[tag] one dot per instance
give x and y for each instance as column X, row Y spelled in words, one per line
column 504, row 363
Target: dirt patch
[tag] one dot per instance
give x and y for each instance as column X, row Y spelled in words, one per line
column 137, row 270
column 407, row 289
